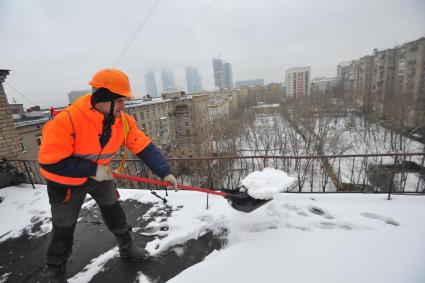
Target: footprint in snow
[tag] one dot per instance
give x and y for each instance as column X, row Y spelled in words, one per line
column 294, row 208
column 387, row 220
column 331, row 225
column 318, row 211
column 37, row 211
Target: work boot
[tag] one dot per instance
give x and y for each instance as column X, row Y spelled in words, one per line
column 127, row 248
column 50, row 274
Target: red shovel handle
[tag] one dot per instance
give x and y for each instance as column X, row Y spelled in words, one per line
column 166, row 184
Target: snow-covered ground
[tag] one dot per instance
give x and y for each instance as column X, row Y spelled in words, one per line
column 271, row 134
column 293, row 238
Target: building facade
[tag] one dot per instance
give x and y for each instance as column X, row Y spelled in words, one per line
column 297, row 81
column 10, row 142
column 323, row 85
column 29, row 132
column 389, row 83
column 254, row 82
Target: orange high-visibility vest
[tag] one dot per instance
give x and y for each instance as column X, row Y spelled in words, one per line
column 76, row 131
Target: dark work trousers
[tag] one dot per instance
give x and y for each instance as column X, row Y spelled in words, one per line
column 65, row 214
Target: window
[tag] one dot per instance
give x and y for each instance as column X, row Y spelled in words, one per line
column 38, row 140
column 142, row 115
column 186, row 116
column 179, row 129
column 186, row 124
column 23, row 148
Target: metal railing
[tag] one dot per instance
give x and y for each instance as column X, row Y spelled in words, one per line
column 365, row 173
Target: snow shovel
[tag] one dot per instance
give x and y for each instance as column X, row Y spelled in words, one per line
column 238, row 200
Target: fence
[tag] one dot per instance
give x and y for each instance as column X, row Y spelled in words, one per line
column 366, row 173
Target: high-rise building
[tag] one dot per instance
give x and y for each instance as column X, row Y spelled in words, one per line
column 223, row 75
column 168, row 82
column 218, row 72
column 193, row 80
column 151, row 84
column 227, row 75
column 297, row 81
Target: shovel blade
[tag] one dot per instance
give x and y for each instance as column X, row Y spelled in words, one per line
column 243, row 202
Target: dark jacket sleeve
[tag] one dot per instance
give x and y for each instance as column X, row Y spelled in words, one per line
column 72, row 167
column 154, row 159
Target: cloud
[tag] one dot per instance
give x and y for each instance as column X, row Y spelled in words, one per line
column 53, row 47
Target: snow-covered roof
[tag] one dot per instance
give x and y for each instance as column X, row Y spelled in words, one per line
column 31, row 122
column 293, row 238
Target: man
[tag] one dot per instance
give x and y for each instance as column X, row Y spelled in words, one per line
column 77, row 147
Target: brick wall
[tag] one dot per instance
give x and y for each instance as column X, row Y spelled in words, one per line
column 9, row 139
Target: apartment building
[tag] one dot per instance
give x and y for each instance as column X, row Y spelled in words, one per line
column 409, row 80
column 297, row 82
column 219, row 104
column 363, row 83
column 390, row 83
column 261, row 93
column 29, row 131
column 346, row 76
column 323, row 85
column 254, row 82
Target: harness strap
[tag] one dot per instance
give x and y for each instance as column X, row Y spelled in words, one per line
column 126, row 127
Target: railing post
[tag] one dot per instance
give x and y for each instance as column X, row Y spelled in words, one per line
column 28, row 173
column 207, row 201
column 211, row 181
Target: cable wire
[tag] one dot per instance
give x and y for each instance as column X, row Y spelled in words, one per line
column 142, row 24
column 183, row 34
column 18, row 92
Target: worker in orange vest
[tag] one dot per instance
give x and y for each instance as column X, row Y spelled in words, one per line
column 77, row 147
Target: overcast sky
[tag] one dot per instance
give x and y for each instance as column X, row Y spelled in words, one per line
column 53, row 47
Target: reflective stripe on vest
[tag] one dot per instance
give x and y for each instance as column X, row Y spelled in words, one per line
column 73, row 181
column 94, row 157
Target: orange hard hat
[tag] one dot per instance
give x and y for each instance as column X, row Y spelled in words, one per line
column 112, row 79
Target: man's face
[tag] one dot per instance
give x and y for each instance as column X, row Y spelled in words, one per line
column 104, row 107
